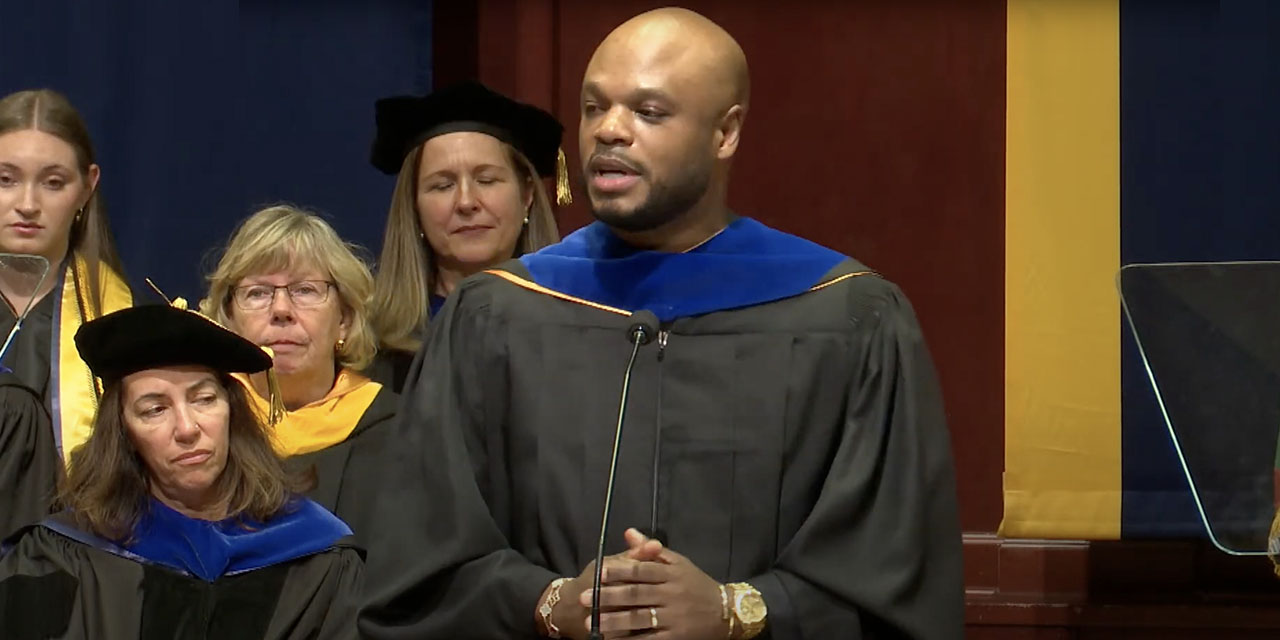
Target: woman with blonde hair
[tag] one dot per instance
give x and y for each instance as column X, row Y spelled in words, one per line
column 287, row 282
column 469, row 194
column 50, row 207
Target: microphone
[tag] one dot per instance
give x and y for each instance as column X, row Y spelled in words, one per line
column 644, row 327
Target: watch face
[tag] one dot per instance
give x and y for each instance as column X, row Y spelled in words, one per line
column 751, row 608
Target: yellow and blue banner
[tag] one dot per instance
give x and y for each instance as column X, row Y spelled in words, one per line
column 1136, row 131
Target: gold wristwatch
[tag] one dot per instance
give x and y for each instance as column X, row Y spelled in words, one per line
column 749, row 609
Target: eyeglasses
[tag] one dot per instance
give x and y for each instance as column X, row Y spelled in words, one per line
column 304, row 293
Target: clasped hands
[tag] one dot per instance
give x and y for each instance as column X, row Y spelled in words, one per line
column 647, row 591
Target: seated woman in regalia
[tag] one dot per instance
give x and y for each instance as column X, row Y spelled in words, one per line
column 178, row 520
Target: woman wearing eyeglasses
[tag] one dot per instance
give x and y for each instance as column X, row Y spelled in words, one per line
column 286, row 281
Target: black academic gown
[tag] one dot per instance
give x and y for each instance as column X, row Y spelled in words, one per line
column 28, row 356
column 803, row 449
column 29, row 464
column 349, row 473
column 52, row 586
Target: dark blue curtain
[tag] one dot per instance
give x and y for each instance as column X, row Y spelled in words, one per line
column 1199, row 181
column 203, row 111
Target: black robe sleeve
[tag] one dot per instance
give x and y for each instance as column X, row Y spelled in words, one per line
column 439, row 561
column 881, row 550
column 29, row 464
column 320, row 597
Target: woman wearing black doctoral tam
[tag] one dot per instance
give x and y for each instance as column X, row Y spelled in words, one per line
column 469, row 195
column 180, row 521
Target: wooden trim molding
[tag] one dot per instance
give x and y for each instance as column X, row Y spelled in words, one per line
column 1164, row 589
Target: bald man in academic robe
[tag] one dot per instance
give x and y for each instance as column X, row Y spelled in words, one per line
column 784, row 449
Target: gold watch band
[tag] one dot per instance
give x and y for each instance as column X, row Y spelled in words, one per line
column 725, row 613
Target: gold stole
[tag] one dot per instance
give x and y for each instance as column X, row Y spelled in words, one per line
column 75, row 391
column 322, row 423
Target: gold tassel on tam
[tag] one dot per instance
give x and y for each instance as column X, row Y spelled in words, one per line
column 563, row 194
column 275, row 400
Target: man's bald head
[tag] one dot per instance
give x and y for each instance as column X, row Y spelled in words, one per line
column 663, row 102
column 685, row 40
